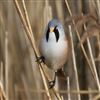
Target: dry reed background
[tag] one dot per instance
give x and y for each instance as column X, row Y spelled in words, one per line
column 20, row 76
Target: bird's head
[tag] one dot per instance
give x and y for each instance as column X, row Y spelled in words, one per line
column 55, row 30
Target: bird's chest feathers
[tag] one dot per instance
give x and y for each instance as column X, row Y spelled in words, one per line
column 54, row 49
column 55, row 53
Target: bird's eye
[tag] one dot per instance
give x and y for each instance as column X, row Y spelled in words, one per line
column 47, row 34
column 56, row 33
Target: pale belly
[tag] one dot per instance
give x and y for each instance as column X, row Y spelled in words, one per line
column 55, row 53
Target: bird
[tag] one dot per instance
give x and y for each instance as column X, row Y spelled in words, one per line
column 53, row 47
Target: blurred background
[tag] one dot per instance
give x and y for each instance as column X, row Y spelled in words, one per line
column 20, row 77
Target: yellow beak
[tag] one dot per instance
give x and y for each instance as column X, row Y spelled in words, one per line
column 51, row 29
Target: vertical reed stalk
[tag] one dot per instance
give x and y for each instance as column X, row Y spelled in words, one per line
column 74, row 63
column 6, row 66
column 68, row 88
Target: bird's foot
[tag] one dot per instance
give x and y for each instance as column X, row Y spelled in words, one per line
column 40, row 59
column 51, row 84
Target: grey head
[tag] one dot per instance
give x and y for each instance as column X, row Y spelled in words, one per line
column 55, row 26
column 54, row 22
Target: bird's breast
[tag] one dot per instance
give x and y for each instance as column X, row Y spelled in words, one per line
column 55, row 53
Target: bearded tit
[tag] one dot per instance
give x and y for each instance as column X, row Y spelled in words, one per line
column 54, row 47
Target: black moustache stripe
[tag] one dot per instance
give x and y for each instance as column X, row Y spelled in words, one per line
column 47, row 34
column 56, row 34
